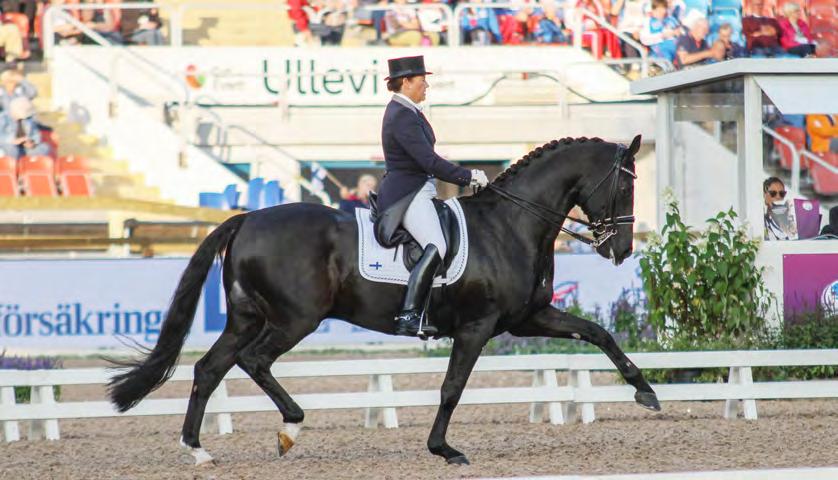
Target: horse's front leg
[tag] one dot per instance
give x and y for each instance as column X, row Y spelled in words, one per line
column 551, row 322
column 468, row 342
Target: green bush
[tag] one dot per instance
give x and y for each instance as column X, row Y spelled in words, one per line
column 704, row 285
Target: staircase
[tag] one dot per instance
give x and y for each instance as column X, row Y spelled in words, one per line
column 228, row 27
column 111, row 177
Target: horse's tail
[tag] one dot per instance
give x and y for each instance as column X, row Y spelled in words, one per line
column 145, row 375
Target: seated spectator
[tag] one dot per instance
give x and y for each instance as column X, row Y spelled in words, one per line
column 358, row 197
column 103, row 22
column 631, row 23
column 830, row 230
column 731, row 49
column 795, row 36
column 550, row 28
column 11, row 41
column 823, row 131
column 65, row 32
column 404, row 29
column 433, row 23
column 762, row 34
column 19, row 132
column 299, row 22
column 332, row 16
column 147, row 32
column 13, row 85
column 779, row 219
column 692, row 49
column 660, row 31
column 479, row 26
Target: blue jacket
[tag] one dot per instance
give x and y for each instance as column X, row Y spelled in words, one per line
column 409, row 157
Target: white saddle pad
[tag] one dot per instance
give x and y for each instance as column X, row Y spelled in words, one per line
column 386, row 265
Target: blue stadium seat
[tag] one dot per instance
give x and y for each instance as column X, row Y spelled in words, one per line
column 727, row 4
column 272, row 194
column 254, row 193
column 213, row 200
column 231, row 196
column 700, row 5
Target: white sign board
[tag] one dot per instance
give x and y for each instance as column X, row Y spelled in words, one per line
column 49, row 306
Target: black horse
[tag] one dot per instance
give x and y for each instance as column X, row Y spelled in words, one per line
column 289, row 267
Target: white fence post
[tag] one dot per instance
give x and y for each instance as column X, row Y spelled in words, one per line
column 546, row 378
column 11, row 431
column 375, row 416
column 223, row 422
column 44, row 394
column 741, row 376
column 579, row 379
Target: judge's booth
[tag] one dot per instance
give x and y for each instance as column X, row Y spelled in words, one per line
column 714, row 125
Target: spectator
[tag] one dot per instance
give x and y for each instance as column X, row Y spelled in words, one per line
column 432, row 23
column 762, row 34
column 103, row 22
column 299, row 19
column 660, row 31
column 631, row 24
column 550, row 27
column 731, row 49
column 830, row 230
column 479, row 26
column 404, row 29
column 147, row 32
column 65, row 32
column 330, row 28
column 358, row 197
column 19, row 132
column 823, row 131
column 11, row 41
column 794, row 32
column 692, row 48
column 779, row 221
column 13, row 85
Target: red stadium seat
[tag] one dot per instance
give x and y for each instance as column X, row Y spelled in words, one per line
column 830, row 38
column 49, row 137
column 795, row 135
column 824, row 181
column 8, row 178
column 37, row 176
column 74, row 177
column 820, row 24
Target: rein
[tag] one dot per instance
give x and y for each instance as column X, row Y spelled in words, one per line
column 602, row 229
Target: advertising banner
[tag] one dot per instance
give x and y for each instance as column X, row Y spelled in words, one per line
column 318, row 77
column 49, row 306
column 810, row 281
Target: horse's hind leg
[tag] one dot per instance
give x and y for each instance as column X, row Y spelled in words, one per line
column 209, row 371
column 256, row 359
column 551, row 322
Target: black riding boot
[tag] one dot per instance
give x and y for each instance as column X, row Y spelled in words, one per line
column 418, row 293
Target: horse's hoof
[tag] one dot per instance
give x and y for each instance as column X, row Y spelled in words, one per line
column 286, row 438
column 458, row 460
column 648, row 400
column 284, row 442
column 202, row 458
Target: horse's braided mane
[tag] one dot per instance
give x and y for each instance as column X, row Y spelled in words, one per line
column 537, row 153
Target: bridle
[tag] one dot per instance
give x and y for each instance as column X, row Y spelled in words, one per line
column 602, row 229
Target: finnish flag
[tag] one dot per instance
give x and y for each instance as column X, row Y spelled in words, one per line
column 318, row 174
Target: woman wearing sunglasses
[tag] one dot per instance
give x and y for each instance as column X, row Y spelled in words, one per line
column 779, row 221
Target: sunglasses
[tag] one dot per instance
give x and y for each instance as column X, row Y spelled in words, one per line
column 775, row 193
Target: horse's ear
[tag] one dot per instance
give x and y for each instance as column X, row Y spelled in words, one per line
column 634, row 147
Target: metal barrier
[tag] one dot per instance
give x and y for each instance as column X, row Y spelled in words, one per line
column 796, row 154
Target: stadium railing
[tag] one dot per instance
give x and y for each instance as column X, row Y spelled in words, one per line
column 564, row 404
column 797, row 153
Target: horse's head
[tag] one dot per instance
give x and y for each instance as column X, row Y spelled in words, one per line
column 606, row 195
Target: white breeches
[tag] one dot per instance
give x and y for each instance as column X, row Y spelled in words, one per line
column 421, row 219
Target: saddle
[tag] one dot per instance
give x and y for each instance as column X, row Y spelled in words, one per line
column 390, row 233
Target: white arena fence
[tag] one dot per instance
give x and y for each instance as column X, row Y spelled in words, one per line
column 549, row 401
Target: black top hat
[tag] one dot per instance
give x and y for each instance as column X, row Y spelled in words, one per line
column 406, row 67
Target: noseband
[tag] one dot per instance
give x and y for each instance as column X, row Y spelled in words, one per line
column 602, row 229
